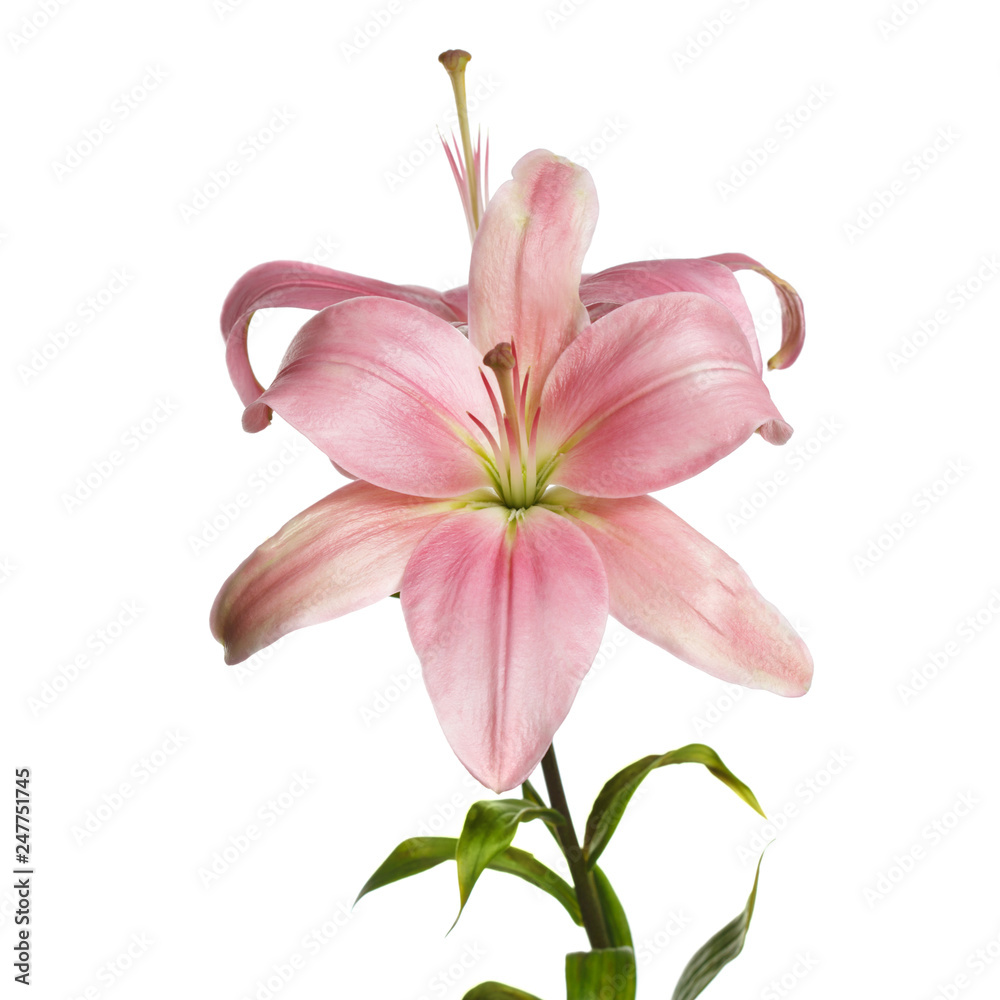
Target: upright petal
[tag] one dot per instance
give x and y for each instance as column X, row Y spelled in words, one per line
column 651, row 394
column 307, row 286
column 793, row 317
column 384, row 389
column 524, row 278
column 672, row 586
column 506, row 617
column 341, row 554
column 640, row 279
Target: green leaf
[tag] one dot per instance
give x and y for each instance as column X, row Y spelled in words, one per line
column 497, row 991
column 614, row 912
column 411, row 857
column 489, row 828
column 615, row 795
column 423, row 853
column 525, row 865
column 717, row 952
column 608, row 973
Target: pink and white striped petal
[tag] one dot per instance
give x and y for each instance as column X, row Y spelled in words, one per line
column 384, row 389
column 613, row 287
column 506, row 618
column 524, row 278
column 651, row 394
column 343, row 553
column 672, row 586
column 307, row 286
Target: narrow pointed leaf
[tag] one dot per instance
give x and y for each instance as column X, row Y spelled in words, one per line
column 717, row 952
column 525, row 865
column 420, row 854
column 607, row 974
column 497, row 991
column 614, row 912
column 489, row 828
column 411, row 857
column 615, row 795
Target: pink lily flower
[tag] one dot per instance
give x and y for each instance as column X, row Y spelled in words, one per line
column 502, row 472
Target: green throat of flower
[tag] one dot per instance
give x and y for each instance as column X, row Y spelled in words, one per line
column 518, row 473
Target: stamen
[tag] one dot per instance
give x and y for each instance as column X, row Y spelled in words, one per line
column 517, row 449
column 458, row 172
column 486, row 168
column 489, row 437
column 532, row 477
column 503, row 460
column 454, row 61
column 499, row 463
column 504, row 363
column 522, row 409
column 516, row 485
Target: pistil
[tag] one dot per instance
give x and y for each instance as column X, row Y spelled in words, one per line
column 516, row 453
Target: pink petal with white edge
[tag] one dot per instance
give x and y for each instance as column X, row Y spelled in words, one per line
column 524, row 278
column 307, row 286
column 672, row 586
column 793, row 317
column 506, row 621
column 343, row 553
column 384, row 389
column 651, row 394
column 611, row 288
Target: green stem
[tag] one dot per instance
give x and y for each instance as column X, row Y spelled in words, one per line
column 583, row 880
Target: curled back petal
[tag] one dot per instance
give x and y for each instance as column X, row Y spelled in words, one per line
column 793, row 317
column 613, row 287
column 384, row 389
column 652, row 393
column 307, row 286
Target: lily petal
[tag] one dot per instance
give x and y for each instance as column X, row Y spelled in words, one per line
column 524, row 277
column 343, row 553
column 307, row 286
column 652, row 393
column 506, row 617
column 640, row 279
column 457, row 299
column 793, row 317
column 384, row 389
column 672, row 586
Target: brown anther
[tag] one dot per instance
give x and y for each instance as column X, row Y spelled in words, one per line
column 499, row 358
column 454, row 60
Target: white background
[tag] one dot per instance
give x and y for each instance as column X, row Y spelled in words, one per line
column 861, row 895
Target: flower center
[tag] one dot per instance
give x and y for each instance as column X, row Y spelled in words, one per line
column 518, row 476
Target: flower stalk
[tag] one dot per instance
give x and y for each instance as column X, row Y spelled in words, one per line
column 583, row 880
